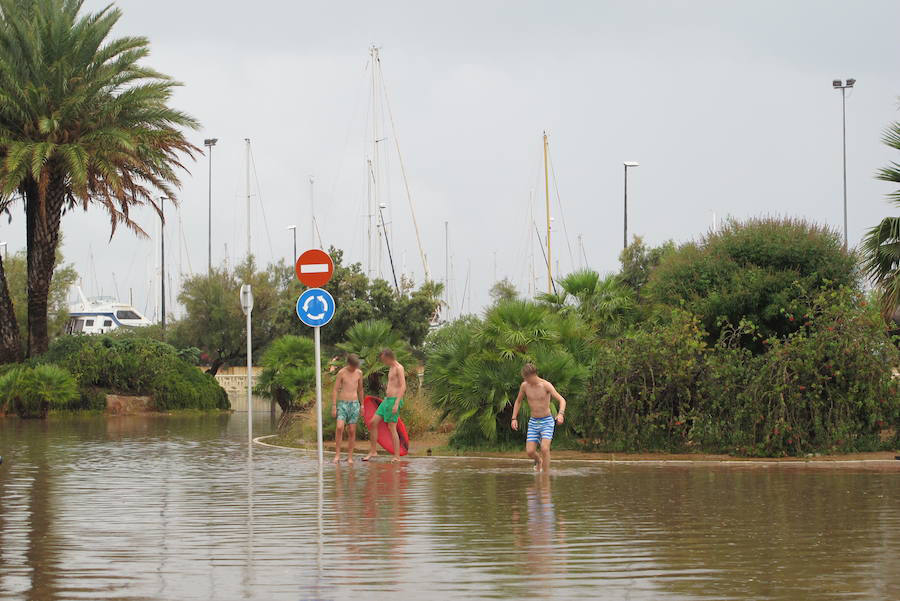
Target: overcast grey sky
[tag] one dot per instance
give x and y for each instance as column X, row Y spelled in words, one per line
column 728, row 107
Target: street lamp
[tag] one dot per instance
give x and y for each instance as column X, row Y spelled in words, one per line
column 837, row 84
column 627, row 165
column 209, row 143
column 247, row 307
column 294, row 229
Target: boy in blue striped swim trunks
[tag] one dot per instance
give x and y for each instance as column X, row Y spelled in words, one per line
column 541, row 424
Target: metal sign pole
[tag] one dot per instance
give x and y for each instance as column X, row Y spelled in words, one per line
column 249, row 379
column 318, row 392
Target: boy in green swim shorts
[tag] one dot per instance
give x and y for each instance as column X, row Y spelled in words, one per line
column 347, row 385
column 389, row 410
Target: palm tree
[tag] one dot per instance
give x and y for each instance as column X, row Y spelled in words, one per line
column 473, row 367
column 82, row 123
column 881, row 246
column 367, row 339
column 606, row 303
column 289, row 370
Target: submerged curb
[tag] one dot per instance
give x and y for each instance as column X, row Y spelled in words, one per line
column 791, row 462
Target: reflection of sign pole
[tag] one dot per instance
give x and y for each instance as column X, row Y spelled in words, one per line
column 247, row 307
column 315, row 308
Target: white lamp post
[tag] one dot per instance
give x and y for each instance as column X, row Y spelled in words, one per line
column 247, row 308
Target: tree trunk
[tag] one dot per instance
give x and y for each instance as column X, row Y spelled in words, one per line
column 42, row 229
column 10, row 345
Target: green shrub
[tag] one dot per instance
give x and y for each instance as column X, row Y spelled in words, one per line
column 826, row 387
column 289, row 372
column 757, row 270
column 131, row 364
column 643, row 386
column 32, row 391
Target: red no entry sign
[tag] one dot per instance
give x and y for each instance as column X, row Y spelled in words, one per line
column 314, row 268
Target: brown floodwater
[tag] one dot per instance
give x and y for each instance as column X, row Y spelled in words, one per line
column 173, row 508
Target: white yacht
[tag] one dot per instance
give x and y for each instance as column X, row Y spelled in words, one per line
column 102, row 314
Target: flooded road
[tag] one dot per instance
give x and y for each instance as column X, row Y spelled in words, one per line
column 172, row 508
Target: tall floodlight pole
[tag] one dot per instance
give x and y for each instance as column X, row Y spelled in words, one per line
column 312, row 211
column 843, row 86
column 293, row 228
column 162, row 258
column 627, row 165
column 209, row 143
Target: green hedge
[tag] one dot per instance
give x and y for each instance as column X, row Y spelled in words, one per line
column 134, row 365
column 827, row 387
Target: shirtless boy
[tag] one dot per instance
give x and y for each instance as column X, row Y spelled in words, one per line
column 541, row 424
column 348, row 387
column 389, row 410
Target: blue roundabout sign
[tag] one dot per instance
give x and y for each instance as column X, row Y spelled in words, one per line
column 315, row 307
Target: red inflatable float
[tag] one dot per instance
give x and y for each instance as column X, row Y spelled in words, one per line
column 370, row 406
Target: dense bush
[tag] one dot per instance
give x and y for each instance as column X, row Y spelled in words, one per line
column 826, row 387
column 473, row 366
column 289, row 371
column 758, row 270
column 31, row 391
column 135, row 365
column 644, row 385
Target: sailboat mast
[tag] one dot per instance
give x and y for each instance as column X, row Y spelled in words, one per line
column 531, row 243
column 369, row 218
column 547, row 197
column 373, row 197
column 312, row 212
column 247, row 181
column 447, row 263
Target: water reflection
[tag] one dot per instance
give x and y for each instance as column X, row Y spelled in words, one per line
column 181, row 508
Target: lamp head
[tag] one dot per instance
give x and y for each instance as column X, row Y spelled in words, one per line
column 246, row 298
column 850, row 82
column 836, row 83
column 210, row 142
column 291, row 227
column 632, row 164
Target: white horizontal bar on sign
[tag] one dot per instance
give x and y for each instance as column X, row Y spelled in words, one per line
column 314, row 268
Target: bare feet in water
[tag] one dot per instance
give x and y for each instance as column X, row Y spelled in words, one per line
column 395, row 460
column 369, row 456
column 337, row 458
column 350, row 460
column 537, row 463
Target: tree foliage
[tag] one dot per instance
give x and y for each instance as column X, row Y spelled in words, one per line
column 758, row 270
column 881, row 245
column 215, row 323
column 64, row 277
column 82, row 122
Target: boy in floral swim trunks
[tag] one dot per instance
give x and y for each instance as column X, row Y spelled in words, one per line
column 541, row 424
column 347, row 385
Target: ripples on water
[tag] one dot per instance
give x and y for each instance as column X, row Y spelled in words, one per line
column 171, row 508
